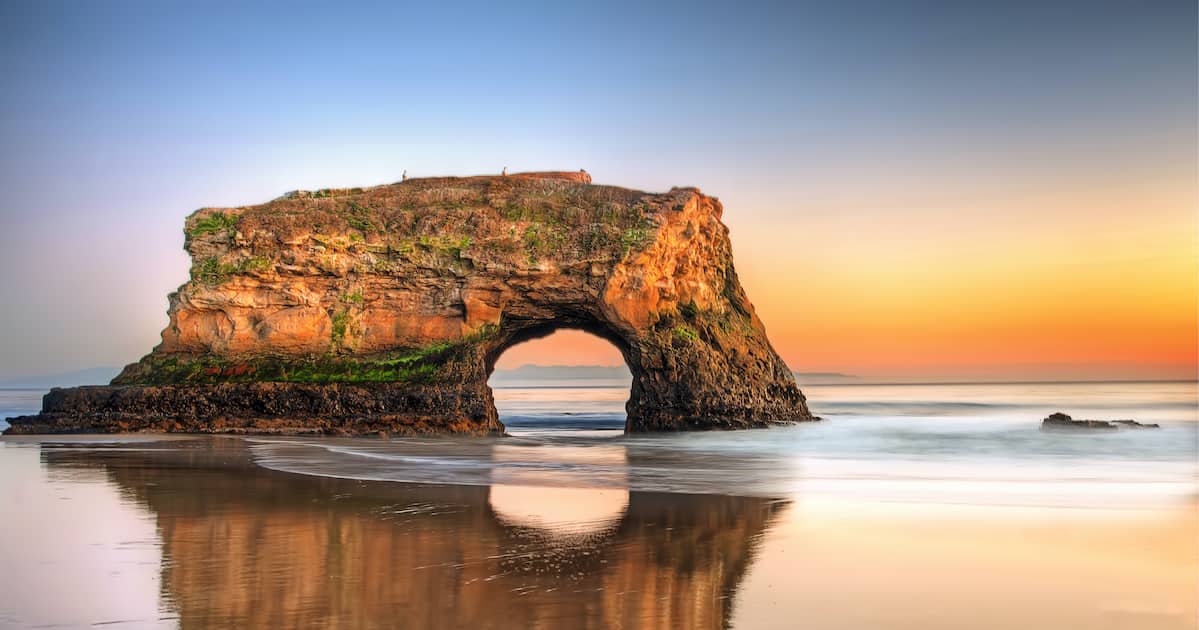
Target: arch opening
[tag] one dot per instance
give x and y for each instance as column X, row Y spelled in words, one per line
column 562, row 378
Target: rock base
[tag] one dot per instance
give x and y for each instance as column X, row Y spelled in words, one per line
column 263, row 408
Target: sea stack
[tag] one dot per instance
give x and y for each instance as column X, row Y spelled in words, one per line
column 384, row 309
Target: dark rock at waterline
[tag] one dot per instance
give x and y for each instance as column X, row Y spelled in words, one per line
column 1060, row 420
column 1063, row 421
column 263, row 408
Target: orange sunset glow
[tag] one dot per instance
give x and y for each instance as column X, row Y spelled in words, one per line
column 1066, row 280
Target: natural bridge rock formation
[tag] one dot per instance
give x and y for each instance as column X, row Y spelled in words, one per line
column 384, row 310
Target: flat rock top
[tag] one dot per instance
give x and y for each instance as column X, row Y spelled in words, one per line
column 515, row 220
column 578, row 177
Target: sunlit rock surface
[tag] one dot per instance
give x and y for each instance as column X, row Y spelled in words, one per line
column 358, row 311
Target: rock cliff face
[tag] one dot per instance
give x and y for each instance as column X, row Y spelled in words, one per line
column 385, row 309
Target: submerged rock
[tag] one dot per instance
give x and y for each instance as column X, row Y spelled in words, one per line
column 1060, row 420
column 384, row 309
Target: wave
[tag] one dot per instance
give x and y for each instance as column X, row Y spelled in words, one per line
column 954, row 408
column 925, row 408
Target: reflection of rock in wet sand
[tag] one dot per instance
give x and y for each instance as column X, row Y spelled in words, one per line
column 248, row 547
column 544, row 491
column 562, row 512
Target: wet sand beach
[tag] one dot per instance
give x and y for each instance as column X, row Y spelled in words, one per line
column 192, row 533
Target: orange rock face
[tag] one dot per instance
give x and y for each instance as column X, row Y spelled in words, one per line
column 428, row 281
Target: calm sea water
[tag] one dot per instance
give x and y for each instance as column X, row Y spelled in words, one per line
column 956, row 443
column 922, row 442
column 943, row 506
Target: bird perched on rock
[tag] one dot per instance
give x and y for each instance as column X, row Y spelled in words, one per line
column 404, row 176
column 504, row 172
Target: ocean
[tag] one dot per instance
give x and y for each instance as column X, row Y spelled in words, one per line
column 908, row 505
column 923, row 442
column 960, row 442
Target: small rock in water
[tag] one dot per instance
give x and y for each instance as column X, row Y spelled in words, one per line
column 1138, row 425
column 1060, row 420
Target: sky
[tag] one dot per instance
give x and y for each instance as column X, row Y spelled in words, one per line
column 985, row 190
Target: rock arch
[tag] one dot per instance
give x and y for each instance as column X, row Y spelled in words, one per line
column 384, row 309
column 517, row 335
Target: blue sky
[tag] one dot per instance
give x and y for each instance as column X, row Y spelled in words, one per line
column 119, row 118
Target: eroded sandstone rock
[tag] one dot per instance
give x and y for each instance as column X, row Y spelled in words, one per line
column 385, row 309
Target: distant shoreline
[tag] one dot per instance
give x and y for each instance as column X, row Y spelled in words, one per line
column 514, row 378
column 514, row 383
column 1050, row 382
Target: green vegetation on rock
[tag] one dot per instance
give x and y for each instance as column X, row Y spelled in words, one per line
column 417, row 365
column 685, row 333
column 359, row 217
column 212, row 224
column 453, row 245
column 634, row 237
column 412, row 365
column 341, row 322
column 211, row 271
